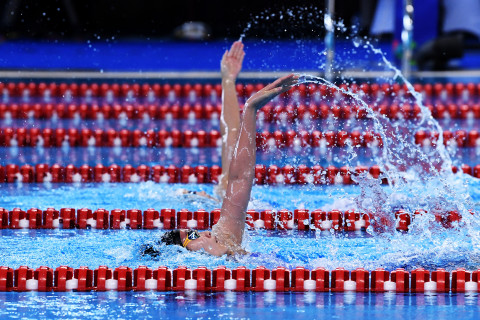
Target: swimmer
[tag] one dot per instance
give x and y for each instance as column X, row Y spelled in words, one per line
column 227, row 235
column 230, row 67
column 187, row 192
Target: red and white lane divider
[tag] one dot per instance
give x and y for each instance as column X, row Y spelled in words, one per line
column 113, row 90
column 60, row 137
column 107, row 111
column 43, row 173
column 271, row 175
column 207, row 110
column 299, row 219
column 463, row 91
column 240, row 279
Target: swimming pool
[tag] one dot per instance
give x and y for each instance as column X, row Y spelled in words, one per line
column 79, row 176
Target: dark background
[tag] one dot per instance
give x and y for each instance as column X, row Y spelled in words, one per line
column 64, row 19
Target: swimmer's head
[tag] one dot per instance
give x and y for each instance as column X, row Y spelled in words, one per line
column 172, row 237
column 194, row 241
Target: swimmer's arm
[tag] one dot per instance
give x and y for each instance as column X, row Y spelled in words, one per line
column 242, row 167
column 240, row 179
column 231, row 65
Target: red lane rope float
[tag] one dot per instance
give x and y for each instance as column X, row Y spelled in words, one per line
column 241, row 279
column 107, row 111
column 437, row 90
column 34, row 137
column 270, row 175
column 206, row 110
column 299, row 219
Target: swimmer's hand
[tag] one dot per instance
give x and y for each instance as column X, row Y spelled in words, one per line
column 272, row 90
column 232, row 60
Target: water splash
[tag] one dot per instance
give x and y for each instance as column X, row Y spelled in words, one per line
column 420, row 177
column 407, row 167
column 285, row 20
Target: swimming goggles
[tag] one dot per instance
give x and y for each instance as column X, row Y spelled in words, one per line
column 191, row 235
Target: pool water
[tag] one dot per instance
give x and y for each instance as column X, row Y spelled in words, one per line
column 235, row 305
column 435, row 247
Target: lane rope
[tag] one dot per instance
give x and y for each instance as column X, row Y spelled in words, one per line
column 42, row 89
column 241, row 279
column 298, row 219
column 72, row 137
column 264, row 175
column 197, row 109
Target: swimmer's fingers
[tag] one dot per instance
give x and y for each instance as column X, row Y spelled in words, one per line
column 239, row 53
column 236, row 49
column 270, row 91
column 224, row 57
column 284, row 83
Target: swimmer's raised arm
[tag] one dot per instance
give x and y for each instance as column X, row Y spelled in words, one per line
column 228, row 232
column 230, row 66
column 242, row 167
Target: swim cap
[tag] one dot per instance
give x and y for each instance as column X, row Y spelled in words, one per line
column 172, row 237
column 168, row 238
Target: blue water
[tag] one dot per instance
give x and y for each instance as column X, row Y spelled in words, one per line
column 235, row 305
column 438, row 247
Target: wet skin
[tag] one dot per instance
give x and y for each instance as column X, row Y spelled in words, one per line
column 206, row 241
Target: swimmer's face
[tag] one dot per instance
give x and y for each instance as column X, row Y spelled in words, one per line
column 206, row 241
